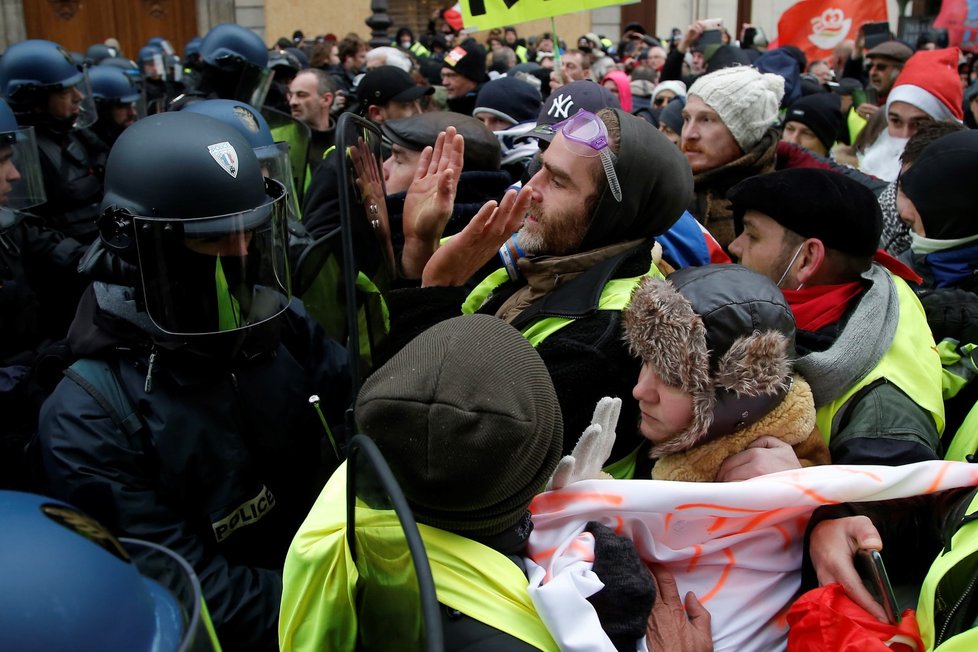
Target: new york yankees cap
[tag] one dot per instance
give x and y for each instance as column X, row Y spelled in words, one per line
column 568, row 100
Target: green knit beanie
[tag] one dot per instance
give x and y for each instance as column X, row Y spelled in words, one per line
column 467, row 417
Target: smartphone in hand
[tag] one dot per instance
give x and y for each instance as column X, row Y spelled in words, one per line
column 869, row 563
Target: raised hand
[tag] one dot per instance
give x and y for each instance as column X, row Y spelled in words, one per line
column 371, row 187
column 592, row 449
column 430, row 199
column 467, row 251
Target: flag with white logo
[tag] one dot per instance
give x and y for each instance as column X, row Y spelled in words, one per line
column 817, row 26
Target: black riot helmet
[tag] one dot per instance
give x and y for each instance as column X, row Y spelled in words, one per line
column 31, row 71
column 235, row 64
column 186, row 201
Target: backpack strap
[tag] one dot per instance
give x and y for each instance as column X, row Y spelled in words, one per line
column 100, row 380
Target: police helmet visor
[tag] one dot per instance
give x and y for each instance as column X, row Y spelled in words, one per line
column 254, row 85
column 275, row 164
column 183, row 623
column 71, row 100
column 21, row 183
column 216, row 274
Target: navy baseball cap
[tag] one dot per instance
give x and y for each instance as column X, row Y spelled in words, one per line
column 568, row 100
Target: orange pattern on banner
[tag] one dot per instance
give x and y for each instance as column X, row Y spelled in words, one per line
column 817, row 26
column 729, row 543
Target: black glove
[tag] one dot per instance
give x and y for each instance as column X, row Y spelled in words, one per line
column 625, row 602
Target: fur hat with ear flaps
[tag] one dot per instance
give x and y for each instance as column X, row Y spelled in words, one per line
column 722, row 333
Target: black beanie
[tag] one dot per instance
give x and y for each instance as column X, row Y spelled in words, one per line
column 672, row 114
column 468, row 60
column 814, row 203
column 656, row 184
column 467, row 417
column 941, row 185
column 820, row 112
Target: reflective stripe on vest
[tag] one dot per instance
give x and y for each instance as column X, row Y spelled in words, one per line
column 615, row 296
column 964, row 543
column 914, row 369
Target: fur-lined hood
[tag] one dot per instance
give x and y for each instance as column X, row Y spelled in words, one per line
column 722, row 333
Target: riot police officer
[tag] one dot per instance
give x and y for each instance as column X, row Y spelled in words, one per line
column 48, row 91
column 233, row 66
column 223, row 454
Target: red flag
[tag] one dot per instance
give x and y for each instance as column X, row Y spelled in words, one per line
column 817, row 26
column 960, row 18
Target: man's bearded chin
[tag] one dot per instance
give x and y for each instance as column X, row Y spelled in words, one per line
column 531, row 237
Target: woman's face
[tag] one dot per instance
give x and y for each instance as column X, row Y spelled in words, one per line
column 666, row 411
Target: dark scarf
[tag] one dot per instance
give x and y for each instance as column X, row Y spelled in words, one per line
column 952, row 267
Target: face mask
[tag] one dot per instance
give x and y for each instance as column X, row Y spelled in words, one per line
column 406, row 43
column 922, row 245
column 787, row 269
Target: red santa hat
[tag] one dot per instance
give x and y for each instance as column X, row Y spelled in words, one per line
column 930, row 81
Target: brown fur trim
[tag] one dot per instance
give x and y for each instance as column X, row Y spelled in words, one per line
column 755, row 365
column 662, row 330
column 792, row 421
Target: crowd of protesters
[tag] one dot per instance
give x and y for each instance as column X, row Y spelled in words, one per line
column 698, row 258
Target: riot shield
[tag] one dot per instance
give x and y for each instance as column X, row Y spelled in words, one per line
column 368, row 255
column 287, row 129
column 396, row 604
column 185, row 609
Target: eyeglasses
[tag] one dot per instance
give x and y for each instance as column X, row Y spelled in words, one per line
column 586, row 135
column 882, row 67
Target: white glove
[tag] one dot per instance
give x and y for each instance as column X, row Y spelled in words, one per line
column 592, row 449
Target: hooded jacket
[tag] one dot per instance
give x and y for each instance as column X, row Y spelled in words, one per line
column 228, row 457
column 587, row 358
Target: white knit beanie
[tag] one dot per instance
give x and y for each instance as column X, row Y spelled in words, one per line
column 746, row 100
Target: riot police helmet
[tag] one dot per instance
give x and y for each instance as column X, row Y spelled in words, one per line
column 186, row 201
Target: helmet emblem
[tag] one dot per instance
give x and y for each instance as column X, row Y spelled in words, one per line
column 226, row 157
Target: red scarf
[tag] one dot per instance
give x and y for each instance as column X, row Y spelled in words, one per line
column 821, row 305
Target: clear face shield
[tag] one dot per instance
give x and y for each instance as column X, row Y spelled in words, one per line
column 154, row 67
column 76, row 100
column 183, row 623
column 21, row 184
column 254, row 85
column 216, row 274
column 275, row 164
